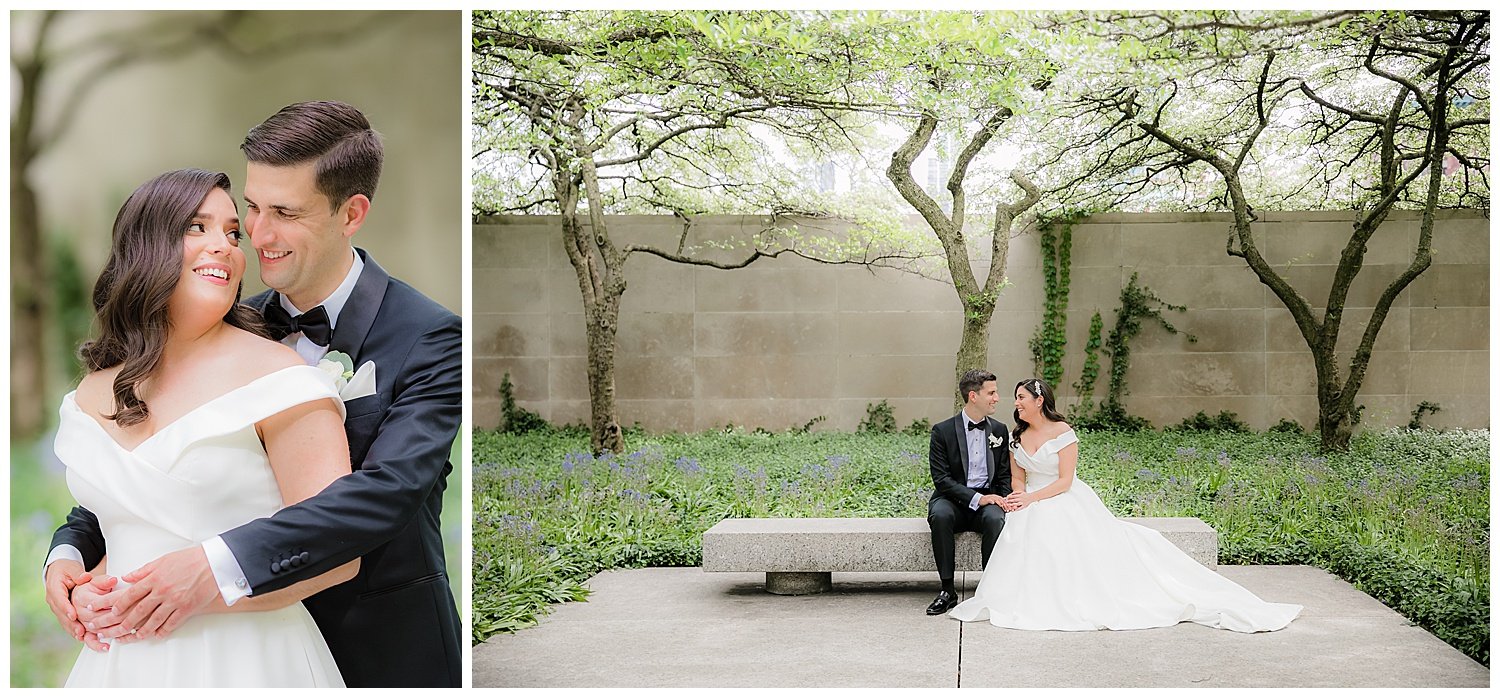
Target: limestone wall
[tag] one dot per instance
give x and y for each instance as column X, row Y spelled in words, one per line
column 786, row 340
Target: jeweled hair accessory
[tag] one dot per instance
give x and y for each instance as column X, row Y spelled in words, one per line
column 1037, row 391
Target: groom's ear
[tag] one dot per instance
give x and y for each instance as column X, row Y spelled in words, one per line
column 352, row 214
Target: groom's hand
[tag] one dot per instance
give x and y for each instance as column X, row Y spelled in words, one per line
column 61, row 578
column 164, row 593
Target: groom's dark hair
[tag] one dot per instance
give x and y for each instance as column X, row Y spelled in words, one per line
column 972, row 380
column 335, row 135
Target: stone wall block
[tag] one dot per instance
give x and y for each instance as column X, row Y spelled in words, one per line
column 1290, row 373
column 881, row 377
column 1232, row 287
column 765, row 289
column 654, row 285
column 1451, row 285
column 1302, row 409
column 1462, row 328
column 1395, row 332
column 779, row 377
column 658, row 415
column 1094, row 245
column 529, row 376
column 512, row 246
column 654, row 377
column 1237, row 330
column 511, row 334
column 1194, row 376
column 1183, row 244
column 569, row 378
column 900, row 333
column 1313, row 282
column 1461, row 240
column 1322, row 242
column 888, row 290
column 1094, row 288
column 1439, row 375
column 511, row 291
column 764, row 334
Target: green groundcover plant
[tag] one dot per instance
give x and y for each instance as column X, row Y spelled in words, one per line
column 1403, row 516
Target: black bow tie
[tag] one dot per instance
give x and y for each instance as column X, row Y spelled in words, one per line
column 313, row 324
column 974, row 425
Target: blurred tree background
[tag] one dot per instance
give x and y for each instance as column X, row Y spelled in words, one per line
column 104, row 101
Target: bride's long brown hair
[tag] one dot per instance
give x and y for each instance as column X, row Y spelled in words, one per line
column 132, row 294
column 1038, row 388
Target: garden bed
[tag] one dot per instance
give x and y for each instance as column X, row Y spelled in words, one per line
column 1404, row 516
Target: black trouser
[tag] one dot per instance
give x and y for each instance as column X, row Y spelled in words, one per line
column 946, row 519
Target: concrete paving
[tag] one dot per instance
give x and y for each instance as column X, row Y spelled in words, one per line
column 685, row 627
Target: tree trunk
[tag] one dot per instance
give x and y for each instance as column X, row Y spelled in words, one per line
column 1335, row 421
column 28, row 288
column 1334, row 428
column 973, row 346
column 29, row 282
column 604, row 426
column 601, row 316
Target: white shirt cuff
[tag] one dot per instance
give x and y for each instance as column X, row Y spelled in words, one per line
column 227, row 572
column 974, row 503
column 62, row 552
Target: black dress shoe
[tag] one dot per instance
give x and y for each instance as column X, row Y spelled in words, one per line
column 942, row 603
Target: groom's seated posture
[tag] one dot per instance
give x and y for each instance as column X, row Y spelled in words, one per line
column 970, row 465
column 311, row 175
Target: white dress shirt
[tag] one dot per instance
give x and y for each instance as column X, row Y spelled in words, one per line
column 228, row 574
column 333, row 305
column 979, row 469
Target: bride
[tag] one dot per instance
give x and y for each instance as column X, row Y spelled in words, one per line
column 1064, row 562
column 190, row 422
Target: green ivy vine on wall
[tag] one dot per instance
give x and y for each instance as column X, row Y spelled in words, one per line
column 1085, row 384
column 1137, row 303
column 1050, row 341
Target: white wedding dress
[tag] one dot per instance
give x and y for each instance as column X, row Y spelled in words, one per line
column 1066, row 563
column 198, row 476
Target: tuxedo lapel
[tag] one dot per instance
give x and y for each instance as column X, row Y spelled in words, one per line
column 359, row 312
column 961, row 426
column 261, row 300
column 989, row 453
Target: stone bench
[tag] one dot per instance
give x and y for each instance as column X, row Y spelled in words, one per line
column 799, row 556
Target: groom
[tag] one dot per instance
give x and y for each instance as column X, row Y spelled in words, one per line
column 970, row 465
column 311, row 175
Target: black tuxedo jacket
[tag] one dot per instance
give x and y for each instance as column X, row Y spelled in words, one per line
column 948, row 457
column 396, row 623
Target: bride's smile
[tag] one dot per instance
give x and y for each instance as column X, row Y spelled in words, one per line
column 212, row 262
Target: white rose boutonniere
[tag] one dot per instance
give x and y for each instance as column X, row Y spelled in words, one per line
column 351, row 384
column 995, row 441
column 339, row 365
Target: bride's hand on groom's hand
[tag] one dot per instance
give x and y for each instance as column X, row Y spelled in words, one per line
column 1017, row 501
column 93, row 602
column 163, row 594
